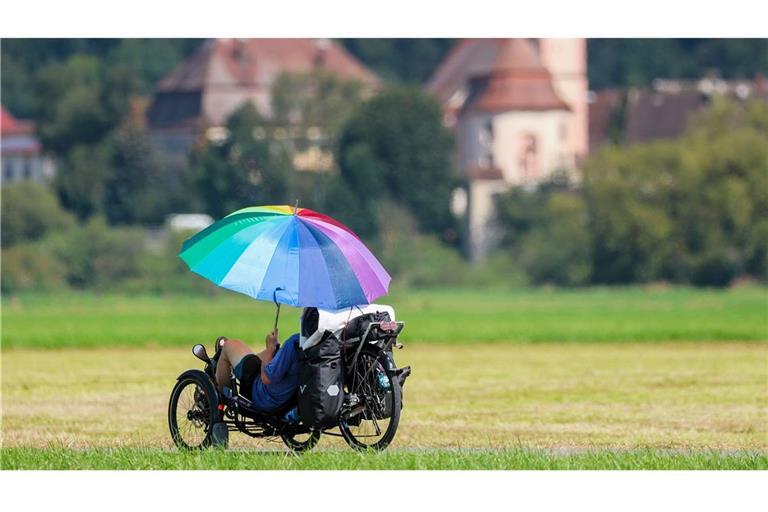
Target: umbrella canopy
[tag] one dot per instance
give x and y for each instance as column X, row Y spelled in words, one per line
column 294, row 256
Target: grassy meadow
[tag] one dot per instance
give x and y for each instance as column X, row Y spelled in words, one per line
column 447, row 317
column 594, row 379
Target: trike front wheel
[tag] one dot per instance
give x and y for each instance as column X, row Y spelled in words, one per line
column 192, row 412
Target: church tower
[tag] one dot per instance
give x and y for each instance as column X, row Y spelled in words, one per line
column 566, row 60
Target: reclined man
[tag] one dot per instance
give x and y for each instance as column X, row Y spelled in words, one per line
column 269, row 378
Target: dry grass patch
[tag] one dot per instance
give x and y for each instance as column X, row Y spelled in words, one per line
column 689, row 396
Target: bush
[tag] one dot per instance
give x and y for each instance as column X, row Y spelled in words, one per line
column 30, row 211
column 27, row 267
column 423, row 261
column 546, row 231
column 559, row 252
column 96, row 256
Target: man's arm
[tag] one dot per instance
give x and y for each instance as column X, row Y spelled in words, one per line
column 267, row 356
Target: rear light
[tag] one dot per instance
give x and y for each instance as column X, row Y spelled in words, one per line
column 388, row 326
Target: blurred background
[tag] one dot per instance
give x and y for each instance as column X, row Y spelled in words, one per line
column 483, row 163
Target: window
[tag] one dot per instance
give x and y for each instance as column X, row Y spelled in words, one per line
column 528, row 158
column 7, row 171
column 485, row 140
column 486, row 135
column 27, row 168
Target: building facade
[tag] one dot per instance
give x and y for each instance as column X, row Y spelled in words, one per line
column 21, row 153
column 198, row 97
column 519, row 110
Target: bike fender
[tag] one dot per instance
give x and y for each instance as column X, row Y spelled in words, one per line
column 387, row 361
column 212, row 391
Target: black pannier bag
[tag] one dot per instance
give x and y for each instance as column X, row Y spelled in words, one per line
column 321, row 379
column 358, row 325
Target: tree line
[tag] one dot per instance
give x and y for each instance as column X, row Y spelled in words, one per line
column 692, row 210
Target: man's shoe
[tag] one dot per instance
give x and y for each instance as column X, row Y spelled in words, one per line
column 217, row 348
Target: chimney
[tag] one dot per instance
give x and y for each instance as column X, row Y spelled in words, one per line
column 321, row 51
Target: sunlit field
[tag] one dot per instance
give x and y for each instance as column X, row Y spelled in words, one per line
column 667, row 379
column 446, row 317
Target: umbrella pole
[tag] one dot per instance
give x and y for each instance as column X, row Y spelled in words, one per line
column 277, row 315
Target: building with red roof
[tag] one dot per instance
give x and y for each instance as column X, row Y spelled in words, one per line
column 203, row 91
column 20, row 151
column 519, row 111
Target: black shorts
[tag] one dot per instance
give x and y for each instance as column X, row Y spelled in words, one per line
column 247, row 371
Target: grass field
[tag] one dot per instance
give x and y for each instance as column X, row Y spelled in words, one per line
column 459, row 316
column 137, row 458
column 645, row 380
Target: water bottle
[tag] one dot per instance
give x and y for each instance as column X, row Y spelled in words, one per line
column 382, row 379
column 292, row 416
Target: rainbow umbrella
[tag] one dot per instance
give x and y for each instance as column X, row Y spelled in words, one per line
column 288, row 255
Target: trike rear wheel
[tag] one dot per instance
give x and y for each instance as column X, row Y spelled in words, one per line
column 373, row 424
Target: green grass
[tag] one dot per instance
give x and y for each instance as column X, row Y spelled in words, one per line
column 625, row 378
column 137, row 458
column 446, row 316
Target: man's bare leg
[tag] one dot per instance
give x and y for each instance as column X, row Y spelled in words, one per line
column 231, row 354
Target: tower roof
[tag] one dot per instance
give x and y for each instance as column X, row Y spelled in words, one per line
column 509, row 72
column 518, row 81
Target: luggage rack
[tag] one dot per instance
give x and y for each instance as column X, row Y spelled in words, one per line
column 390, row 329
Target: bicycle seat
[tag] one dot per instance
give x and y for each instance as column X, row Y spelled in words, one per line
column 246, row 406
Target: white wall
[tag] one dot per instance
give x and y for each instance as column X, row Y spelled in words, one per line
column 551, row 131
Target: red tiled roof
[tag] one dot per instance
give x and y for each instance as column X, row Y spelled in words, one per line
column 254, row 62
column 9, row 125
column 651, row 115
column 7, row 121
column 18, row 136
column 468, row 58
column 518, row 81
column 515, row 78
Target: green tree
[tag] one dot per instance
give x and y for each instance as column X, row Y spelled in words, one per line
column 691, row 210
column 637, row 62
column 29, row 212
column 546, row 231
column 136, row 191
column 80, row 101
column 400, row 60
column 80, row 179
column 149, row 59
column 319, row 99
column 248, row 167
column 395, row 147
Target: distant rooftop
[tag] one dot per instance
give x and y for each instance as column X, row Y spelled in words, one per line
column 222, row 73
column 515, row 77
